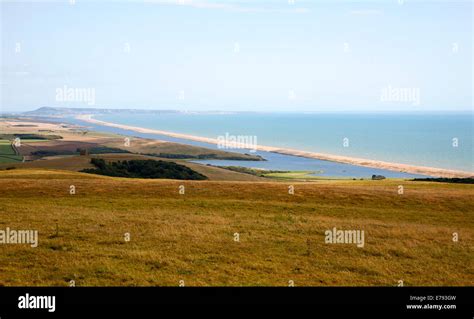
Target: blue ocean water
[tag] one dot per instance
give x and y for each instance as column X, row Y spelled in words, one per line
column 418, row 139
column 274, row 161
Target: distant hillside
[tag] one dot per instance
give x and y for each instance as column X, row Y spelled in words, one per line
column 63, row 111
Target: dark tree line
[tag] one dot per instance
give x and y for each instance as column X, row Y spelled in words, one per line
column 143, row 169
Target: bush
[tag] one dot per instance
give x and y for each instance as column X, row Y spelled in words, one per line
column 144, row 169
column 457, row 180
column 378, row 177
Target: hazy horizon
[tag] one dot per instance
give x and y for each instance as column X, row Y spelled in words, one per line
column 337, row 111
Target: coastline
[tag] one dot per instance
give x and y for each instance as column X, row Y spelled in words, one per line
column 406, row 168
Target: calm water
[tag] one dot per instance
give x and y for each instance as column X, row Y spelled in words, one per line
column 274, row 161
column 421, row 139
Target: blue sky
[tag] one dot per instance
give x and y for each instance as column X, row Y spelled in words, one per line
column 238, row 55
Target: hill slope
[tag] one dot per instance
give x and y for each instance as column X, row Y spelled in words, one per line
column 191, row 237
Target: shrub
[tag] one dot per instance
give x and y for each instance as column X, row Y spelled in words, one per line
column 144, row 169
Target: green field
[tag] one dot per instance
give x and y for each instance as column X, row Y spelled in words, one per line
column 153, row 147
column 6, row 148
column 298, row 175
column 7, row 154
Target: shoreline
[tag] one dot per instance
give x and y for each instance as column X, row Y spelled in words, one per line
column 405, row 168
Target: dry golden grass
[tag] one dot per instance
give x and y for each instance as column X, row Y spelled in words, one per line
column 191, row 237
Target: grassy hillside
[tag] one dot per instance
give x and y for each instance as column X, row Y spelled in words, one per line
column 154, row 147
column 78, row 163
column 190, row 237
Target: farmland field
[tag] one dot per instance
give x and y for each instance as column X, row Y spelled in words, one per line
column 7, row 154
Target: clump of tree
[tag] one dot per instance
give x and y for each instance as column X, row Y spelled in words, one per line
column 143, row 169
column 377, row 177
column 44, row 153
column 103, row 150
column 83, row 151
column 466, row 180
column 27, row 136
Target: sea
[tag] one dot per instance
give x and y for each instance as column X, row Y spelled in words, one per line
column 441, row 140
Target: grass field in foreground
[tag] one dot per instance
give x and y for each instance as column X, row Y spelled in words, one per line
column 190, row 237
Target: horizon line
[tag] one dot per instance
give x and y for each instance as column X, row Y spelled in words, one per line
column 4, row 110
